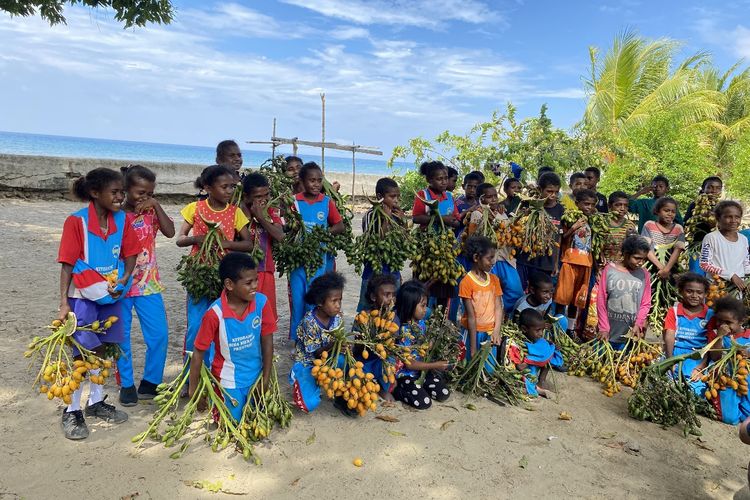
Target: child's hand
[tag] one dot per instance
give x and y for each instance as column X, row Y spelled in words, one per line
column 579, row 223
column 638, row 331
column 441, row 366
column 496, row 338
column 724, row 330
column 258, row 209
column 739, row 282
column 603, row 335
column 62, row 312
column 397, row 212
column 336, row 185
column 148, row 204
column 521, row 366
column 663, row 273
column 695, row 375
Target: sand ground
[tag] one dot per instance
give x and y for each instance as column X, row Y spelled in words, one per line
column 448, row 451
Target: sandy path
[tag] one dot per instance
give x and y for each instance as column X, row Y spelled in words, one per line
column 445, row 452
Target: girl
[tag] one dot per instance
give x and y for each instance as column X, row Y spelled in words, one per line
column 664, row 233
column 711, row 186
column 540, row 353
column 482, row 298
column 436, row 175
column 219, row 183
column 313, row 336
column 387, row 190
column 685, row 326
column 411, row 309
column 725, row 252
column 293, row 166
column 729, row 317
column 229, row 155
column 511, row 188
column 620, row 227
column 316, row 209
column 98, row 252
column 147, row 218
column 624, row 298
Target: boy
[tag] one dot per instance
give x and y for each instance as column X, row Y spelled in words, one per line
column 620, row 227
column 549, row 188
column 469, row 198
column 644, row 207
column 577, row 182
column 540, row 353
column 593, row 175
column 577, row 260
column 539, row 298
column 293, row 166
column 452, row 179
column 511, row 188
column 241, row 325
column 266, row 226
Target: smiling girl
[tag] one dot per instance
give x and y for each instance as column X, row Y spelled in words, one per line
column 724, row 252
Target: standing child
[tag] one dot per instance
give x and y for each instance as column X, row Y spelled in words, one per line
column 511, row 188
column 452, row 179
column 724, row 252
column 593, row 175
column 293, row 166
column 577, row 261
column 387, row 190
column 469, row 199
column 685, row 326
column 482, row 298
column 620, row 227
column 266, row 227
column 147, row 218
column 411, row 309
column 313, row 337
column 624, row 299
column 540, row 353
column 664, row 233
column 229, row 155
column 219, row 183
column 712, row 186
column 645, row 207
column 316, row 209
column 577, row 182
column 240, row 326
column 549, row 187
column 97, row 252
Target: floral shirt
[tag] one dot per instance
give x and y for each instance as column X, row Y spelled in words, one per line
column 411, row 335
column 146, row 273
column 312, row 335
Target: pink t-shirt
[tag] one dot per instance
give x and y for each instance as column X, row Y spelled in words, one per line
column 146, row 273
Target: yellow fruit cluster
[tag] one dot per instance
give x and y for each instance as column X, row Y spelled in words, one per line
column 377, row 329
column 717, row 381
column 357, row 388
column 716, row 290
column 64, row 380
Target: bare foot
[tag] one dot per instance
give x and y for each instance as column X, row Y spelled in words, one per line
column 546, row 394
column 386, row 396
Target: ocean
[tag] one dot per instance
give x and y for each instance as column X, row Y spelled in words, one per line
column 83, row 147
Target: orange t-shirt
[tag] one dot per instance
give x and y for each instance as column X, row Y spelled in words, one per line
column 482, row 295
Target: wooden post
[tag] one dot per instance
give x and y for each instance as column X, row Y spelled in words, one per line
column 294, row 148
column 273, row 143
column 354, row 171
column 323, row 134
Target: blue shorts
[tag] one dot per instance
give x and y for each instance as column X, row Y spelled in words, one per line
column 88, row 311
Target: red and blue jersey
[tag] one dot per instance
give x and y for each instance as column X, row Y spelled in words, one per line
column 318, row 212
column 691, row 331
column 446, row 204
column 238, row 359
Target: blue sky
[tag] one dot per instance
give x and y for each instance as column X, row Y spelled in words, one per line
column 391, row 69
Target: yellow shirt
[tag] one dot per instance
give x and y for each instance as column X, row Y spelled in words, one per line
column 240, row 220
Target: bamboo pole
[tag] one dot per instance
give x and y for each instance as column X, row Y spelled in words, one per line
column 323, row 135
column 354, row 171
column 273, row 143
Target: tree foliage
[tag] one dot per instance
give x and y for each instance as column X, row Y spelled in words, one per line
column 130, row 12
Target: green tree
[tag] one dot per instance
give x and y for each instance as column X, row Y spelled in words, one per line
column 130, row 12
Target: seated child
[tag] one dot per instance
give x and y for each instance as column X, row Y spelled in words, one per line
column 540, row 354
column 539, row 298
column 240, row 324
column 411, row 309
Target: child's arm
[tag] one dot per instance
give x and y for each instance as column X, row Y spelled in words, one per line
column 601, row 306
column 572, row 229
column 183, row 240
column 472, row 325
column 640, row 319
column 422, row 366
column 244, row 245
column 272, row 227
column 669, row 336
column 664, row 272
column 496, row 338
column 166, row 224
column 196, row 360
column 66, row 276
column 337, row 228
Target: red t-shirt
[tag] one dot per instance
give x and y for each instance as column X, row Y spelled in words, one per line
column 334, row 217
column 209, row 329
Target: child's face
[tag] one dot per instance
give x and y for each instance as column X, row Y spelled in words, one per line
column 485, row 262
column 259, row 195
column 634, row 260
column 489, row 197
column 578, row 184
column 331, row 306
column 439, row 181
column 728, row 318
column 470, row 189
column 713, row 188
column 693, row 294
column 222, row 189
column 659, row 188
column 550, row 194
column 619, row 207
column 313, row 182
column 591, row 180
column 140, row 190
column 245, row 287
column 111, row 197
column 513, row 189
column 533, row 332
column 729, row 220
column 384, row 296
column 542, row 293
column 292, row 169
column 232, row 158
column 667, row 213
column 421, row 310
column 452, row 183
column 392, row 198
column 587, row 206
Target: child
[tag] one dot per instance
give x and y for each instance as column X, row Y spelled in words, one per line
column 711, row 186
column 147, row 218
column 724, row 252
column 316, row 209
column 266, row 227
column 436, row 175
column 505, row 263
column 577, row 182
column 411, row 309
column 380, row 292
column 644, row 207
column 664, row 232
column 539, row 298
column 620, row 227
column 387, row 190
column 540, row 353
column 98, row 247
column 729, row 317
column 482, row 298
column 511, row 188
column 313, row 337
column 293, row 166
column 229, row 155
column 593, row 175
column 624, row 298
column 549, row 187
column 469, row 198
column 240, row 326
column 219, row 182
column 577, row 260
column 685, row 326
column 452, row 179
column 479, row 175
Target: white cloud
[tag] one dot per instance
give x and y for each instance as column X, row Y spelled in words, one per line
column 348, row 33
column 741, row 37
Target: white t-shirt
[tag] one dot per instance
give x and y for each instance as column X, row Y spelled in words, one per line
column 723, row 257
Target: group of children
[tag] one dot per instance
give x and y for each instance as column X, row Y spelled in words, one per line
column 109, row 268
